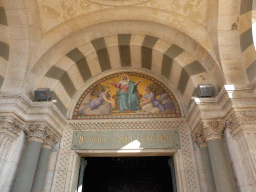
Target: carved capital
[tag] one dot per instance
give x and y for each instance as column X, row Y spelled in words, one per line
column 199, row 138
column 212, row 129
column 10, row 126
column 238, row 118
column 50, row 140
column 36, row 132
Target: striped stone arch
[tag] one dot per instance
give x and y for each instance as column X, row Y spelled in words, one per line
column 4, row 44
column 19, row 37
column 130, row 51
column 247, row 12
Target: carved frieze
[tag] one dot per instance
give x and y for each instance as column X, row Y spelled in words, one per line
column 10, row 126
column 238, row 118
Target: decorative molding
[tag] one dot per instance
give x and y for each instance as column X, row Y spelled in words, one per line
column 212, row 129
column 239, row 119
column 60, row 177
column 10, row 126
column 188, row 156
column 23, row 108
column 135, row 124
column 61, row 180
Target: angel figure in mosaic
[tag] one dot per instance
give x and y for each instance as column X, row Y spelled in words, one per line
column 151, row 104
column 102, row 104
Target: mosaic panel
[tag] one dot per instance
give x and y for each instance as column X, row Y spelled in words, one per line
column 127, row 95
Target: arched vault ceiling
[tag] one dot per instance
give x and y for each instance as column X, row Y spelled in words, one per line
column 59, row 11
column 66, row 71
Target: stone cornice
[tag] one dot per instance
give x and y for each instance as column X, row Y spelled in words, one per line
column 28, row 111
column 231, row 98
column 209, row 108
column 10, row 126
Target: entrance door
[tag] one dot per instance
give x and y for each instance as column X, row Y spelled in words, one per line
column 127, row 174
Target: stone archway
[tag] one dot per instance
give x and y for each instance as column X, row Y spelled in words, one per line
column 109, row 135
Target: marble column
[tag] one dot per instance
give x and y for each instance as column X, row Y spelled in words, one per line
column 212, row 131
column 41, row 170
column 28, row 165
column 206, row 161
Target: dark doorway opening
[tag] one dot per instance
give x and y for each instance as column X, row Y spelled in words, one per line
column 127, row 174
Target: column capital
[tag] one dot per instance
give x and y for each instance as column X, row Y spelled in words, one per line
column 10, row 126
column 35, row 132
column 199, row 138
column 41, row 133
column 238, row 118
column 50, row 140
column 212, row 129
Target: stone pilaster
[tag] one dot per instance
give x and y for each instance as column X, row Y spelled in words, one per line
column 212, row 130
column 242, row 126
column 10, row 129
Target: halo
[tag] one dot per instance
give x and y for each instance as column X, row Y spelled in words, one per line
column 122, row 74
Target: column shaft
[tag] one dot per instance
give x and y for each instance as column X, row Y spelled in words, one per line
column 208, row 169
column 26, row 172
column 221, row 170
column 41, row 170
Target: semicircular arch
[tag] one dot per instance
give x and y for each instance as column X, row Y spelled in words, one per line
column 135, row 51
column 126, row 14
